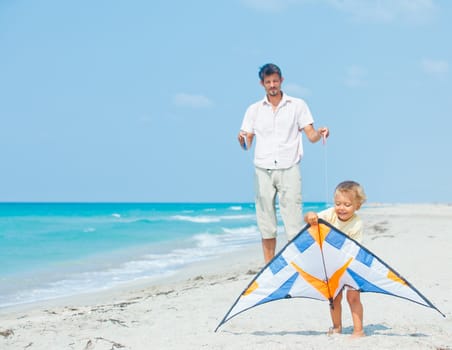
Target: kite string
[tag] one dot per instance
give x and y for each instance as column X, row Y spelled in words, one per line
column 325, row 162
column 327, row 282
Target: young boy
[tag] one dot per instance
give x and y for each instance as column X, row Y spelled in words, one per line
column 348, row 198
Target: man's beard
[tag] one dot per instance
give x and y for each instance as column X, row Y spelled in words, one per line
column 273, row 92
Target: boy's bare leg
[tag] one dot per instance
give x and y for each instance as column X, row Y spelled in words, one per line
column 356, row 308
column 336, row 315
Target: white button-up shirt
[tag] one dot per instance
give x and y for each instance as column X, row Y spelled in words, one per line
column 277, row 133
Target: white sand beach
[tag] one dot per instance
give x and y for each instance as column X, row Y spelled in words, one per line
column 182, row 313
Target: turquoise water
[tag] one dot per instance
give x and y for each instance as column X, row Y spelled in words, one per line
column 50, row 250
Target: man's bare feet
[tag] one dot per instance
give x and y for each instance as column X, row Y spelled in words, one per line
column 358, row 334
column 334, row 330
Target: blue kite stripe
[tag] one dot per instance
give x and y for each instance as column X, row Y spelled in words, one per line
column 365, row 285
column 282, row 292
column 365, row 257
column 303, row 241
column 277, row 264
column 336, row 239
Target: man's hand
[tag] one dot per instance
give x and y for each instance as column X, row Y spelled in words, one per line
column 245, row 139
column 324, row 132
column 242, row 139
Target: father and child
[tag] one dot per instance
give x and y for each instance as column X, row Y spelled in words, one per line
column 277, row 123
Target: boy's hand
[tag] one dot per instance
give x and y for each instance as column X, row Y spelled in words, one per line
column 311, row 218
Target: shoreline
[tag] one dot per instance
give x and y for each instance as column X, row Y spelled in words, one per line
column 181, row 311
column 250, row 255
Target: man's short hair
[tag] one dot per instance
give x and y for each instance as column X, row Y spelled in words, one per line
column 269, row 69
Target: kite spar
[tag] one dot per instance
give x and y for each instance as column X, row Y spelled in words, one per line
column 318, row 263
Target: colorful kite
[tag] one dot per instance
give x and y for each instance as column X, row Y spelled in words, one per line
column 317, row 264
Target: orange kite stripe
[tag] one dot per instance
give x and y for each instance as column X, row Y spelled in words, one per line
column 319, row 232
column 324, row 288
column 251, row 288
column 394, row 277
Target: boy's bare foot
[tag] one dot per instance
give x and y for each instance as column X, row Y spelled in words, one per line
column 358, row 334
column 333, row 330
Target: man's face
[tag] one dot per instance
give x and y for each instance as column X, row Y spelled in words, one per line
column 272, row 84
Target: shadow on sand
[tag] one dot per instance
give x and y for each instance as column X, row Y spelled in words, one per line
column 371, row 329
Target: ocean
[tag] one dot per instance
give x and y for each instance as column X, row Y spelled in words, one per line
column 52, row 250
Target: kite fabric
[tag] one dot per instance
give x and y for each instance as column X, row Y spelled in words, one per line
column 317, row 264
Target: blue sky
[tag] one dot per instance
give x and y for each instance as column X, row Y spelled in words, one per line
column 142, row 100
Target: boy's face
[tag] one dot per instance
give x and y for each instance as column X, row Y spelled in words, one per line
column 345, row 205
column 272, row 84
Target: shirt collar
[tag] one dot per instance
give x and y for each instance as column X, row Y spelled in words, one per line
column 285, row 98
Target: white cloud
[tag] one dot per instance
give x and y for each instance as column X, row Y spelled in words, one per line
column 296, row 90
column 193, row 101
column 435, row 67
column 387, row 10
column 366, row 10
column 355, row 76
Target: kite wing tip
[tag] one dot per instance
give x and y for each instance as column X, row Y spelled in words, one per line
column 219, row 325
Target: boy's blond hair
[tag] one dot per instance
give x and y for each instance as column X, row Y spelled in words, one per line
column 354, row 187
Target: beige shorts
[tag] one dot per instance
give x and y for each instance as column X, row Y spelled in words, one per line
column 286, row 184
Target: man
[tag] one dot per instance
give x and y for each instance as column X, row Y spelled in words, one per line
column 277, row 122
